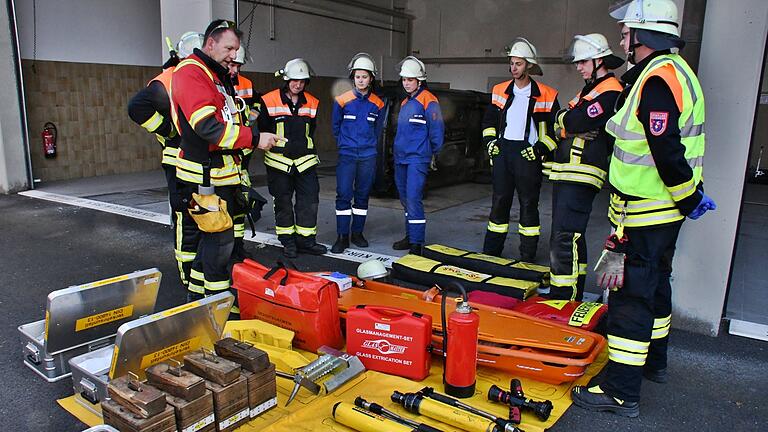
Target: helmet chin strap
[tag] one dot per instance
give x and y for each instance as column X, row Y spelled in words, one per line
column 632, row 46
column 595, row 67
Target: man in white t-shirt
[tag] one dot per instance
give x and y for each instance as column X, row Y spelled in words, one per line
column 518, row 130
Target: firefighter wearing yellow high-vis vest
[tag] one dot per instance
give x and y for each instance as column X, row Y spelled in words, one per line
column 581, row 162
column 208, row 166
column 291, row 113
column 656, row 181
column 518, row 132
column 151, row 108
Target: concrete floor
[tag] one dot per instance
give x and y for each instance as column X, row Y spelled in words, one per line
column 456, row 215
column 716, row 383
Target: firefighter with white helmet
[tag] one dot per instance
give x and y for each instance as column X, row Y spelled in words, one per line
column 656, row 174
column 151, row 109
column 357, row 122
column 580, row 163
column 518, row 132
column 291, row 113
column 248, row 101
column 419, row 137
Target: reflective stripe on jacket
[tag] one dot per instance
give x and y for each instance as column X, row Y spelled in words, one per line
column 210, row 126
column 633, row 171
column 297, row 124
column 541, row 108
column 420, row 128
column 576, row 160
column 357, row 121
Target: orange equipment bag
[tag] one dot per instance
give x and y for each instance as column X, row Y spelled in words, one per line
column 585, row 315
column 305, row 304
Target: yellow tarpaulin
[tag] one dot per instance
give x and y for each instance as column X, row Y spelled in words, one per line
column 313, row 413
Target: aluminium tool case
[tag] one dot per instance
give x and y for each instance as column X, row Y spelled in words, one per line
column 149, row 341
column 288, row 298
column 427, row 272
column 390, row 340
column 508, row 340
column 84, row 318
column 489, row 264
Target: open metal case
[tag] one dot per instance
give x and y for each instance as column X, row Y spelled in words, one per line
column 84, row 318
column 147, row 341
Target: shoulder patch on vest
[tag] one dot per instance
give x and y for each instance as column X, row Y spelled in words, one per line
column 658, row 122
column 595, row 109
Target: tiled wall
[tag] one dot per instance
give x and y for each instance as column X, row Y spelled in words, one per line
column 88, row 104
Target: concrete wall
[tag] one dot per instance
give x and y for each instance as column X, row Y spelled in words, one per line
column 705, row 248
column 181, row 16
column 92, row 31
column 482, row 28
column 326, row 43
column 13, row 162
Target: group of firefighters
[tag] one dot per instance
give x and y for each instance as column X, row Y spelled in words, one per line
column 643, row 133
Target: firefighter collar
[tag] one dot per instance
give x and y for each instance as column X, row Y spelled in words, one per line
column 360, row 95
column 535, row 92
column 220, row 71
column 416, row 93
column 301, row 101
column 633, row 74
column 591, row 85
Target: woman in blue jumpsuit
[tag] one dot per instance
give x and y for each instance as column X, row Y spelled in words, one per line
column 419, row 137
column 357, row 124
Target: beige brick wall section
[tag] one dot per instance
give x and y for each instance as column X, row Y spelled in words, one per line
column 88, row 105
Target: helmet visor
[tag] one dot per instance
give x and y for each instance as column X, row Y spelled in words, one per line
column 617, row 9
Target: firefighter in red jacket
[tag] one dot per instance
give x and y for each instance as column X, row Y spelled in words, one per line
column 151, row 109
column 518, row 132
column 291, row 113
column 581, row 162
column 212, row 137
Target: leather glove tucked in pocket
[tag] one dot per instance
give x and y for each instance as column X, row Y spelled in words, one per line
column 610, row 265
column 210, row 213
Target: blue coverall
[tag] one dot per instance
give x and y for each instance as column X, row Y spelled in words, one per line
column 357, row 121
column 420, row 132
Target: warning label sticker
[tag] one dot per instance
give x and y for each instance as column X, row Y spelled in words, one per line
column 174, row 350
column 103, row 318
column 104, row 282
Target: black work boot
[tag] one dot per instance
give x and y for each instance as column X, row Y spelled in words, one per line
column 359, row 240
column 416, row 249
column 593, row 399
column 289, row 248
column 342, row 242
column 402, row 244
column 658, row 376
column 310, row 246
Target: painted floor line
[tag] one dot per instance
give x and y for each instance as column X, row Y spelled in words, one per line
column 354, row 255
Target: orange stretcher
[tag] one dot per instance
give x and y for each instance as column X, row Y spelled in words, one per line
column 519, row 344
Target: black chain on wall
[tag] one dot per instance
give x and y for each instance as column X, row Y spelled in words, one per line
column 34, row 35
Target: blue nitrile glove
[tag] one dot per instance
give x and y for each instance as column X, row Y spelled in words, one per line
column 705, row 205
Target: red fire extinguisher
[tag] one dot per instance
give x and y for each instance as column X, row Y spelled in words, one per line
column 49, row 140
column 460, row 346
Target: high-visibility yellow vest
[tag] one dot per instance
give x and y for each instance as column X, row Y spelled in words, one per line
column 633, row 170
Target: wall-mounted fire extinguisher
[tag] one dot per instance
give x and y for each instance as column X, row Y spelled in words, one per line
column 460, row 346
column 49, row 140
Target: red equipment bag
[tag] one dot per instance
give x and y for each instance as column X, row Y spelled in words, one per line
column 305, row 304
column 585, row 315
column 390, row 340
